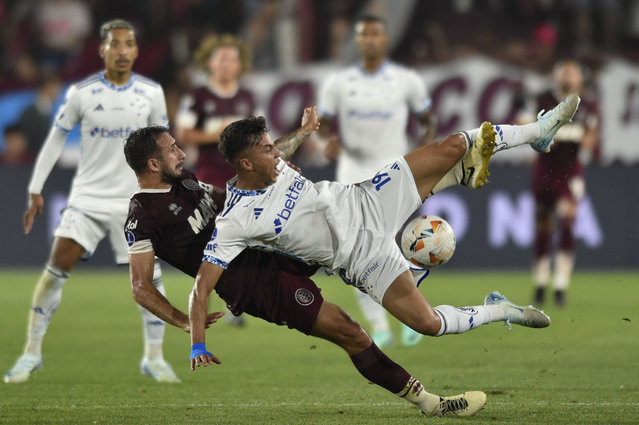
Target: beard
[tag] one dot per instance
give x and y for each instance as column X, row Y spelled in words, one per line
column 170, row 176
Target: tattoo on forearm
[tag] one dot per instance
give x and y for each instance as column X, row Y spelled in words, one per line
column 290, row 143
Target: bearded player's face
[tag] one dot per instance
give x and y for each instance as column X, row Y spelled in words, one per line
column 171, row 158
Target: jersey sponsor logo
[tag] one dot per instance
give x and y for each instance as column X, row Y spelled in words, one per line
column 380, row 180
column 202, row 214
column 96, row 91
column 106, row 133
column 130, row 238
column 304, row 297
column 368, row 272
column 467, row 310
column 138, row 91
column 292, row 195
column 190, row 184
column 131, row 225
column 370, row 115
column 211, row 245
column 175, row 208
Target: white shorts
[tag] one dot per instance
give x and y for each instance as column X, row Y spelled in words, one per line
column 88, row 228
column 387, row 200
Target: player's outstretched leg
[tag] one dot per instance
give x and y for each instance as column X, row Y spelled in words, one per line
column 553, row 120
column 335, row 325
column 472, row 169
column 527, row 316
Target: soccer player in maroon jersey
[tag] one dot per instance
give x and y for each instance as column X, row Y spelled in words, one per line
column 207, row 110
column 172, row 216
column 558, row 181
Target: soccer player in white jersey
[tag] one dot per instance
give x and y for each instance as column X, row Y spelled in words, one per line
column 350, row 229
column 372, row 102
column 109, row 105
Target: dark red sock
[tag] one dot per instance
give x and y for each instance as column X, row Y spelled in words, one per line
column 543, row 239
column 381, row 370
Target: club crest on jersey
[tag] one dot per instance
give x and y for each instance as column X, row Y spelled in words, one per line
column 190, row 184
column 130, row 238
column 175, row 208
column 304, row 297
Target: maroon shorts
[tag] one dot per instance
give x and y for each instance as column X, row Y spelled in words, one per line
column 550, row 187
column 271, row 287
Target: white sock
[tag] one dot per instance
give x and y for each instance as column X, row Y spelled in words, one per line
column 509, row 136
column 564, row 263
column 153, row 326
column 541, row 271
column 415, row 393
column 373, row 312
column 46, row 299
column 456, row 320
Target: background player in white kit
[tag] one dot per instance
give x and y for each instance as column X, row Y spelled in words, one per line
column 109, row 105
column 350, row 229
column 372, row 102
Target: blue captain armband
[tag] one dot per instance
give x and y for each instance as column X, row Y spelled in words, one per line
column 198, row 349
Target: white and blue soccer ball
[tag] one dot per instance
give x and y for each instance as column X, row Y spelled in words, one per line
column 428, row 241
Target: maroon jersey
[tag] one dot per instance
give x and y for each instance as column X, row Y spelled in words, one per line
column 554, row 170
column 178, row 223
column 208, row 107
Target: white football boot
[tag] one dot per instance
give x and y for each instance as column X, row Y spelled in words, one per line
column 24, row 367
column 466, row 404
column 551, row 121
column 475, row 161
column 527, row 316
column 159, row 370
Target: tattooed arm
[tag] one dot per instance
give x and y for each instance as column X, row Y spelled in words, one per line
column 288, row 144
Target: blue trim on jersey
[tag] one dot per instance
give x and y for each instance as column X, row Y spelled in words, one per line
column 113, row 86
column 231, row 202
column 245, row 192
column 377, row 72
column 428, row 107
column 217, row 262
column 59, row 127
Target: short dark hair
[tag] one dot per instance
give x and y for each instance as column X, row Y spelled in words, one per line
column 367, row 19
column 141, row 145
column 241, row 135
column 116, row 24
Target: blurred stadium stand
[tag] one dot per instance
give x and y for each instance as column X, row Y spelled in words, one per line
column 476, row 56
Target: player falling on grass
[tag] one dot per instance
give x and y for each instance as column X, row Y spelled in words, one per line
column 172, row 216
column 372, row 102
column 350, row 229
column 108, row 105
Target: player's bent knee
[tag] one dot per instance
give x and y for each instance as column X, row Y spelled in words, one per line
column 427, row 325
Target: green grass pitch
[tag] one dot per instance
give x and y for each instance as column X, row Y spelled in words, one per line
column 583, row 369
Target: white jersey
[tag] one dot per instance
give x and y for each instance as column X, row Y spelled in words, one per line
column 348, row 228
column 107, row 115
column 372, row 111
column 325, row 216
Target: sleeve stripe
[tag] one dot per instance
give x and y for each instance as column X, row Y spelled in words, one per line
column 59, row 127
column 217, row 262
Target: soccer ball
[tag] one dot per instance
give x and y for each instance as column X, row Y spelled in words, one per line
column 428, row 241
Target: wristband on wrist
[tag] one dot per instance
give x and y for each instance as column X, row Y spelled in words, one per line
column 197, row 349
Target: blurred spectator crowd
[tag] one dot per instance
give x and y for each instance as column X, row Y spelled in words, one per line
column 46, row 43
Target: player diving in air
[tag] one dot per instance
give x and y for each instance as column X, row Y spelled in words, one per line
column 350, row 229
